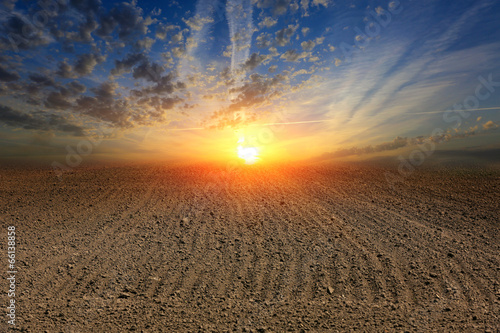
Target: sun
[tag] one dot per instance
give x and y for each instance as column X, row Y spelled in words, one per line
column 249, row 154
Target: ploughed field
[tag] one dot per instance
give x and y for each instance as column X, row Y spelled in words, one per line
column 320, row 248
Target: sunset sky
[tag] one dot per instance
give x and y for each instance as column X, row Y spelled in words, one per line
column 297, row 79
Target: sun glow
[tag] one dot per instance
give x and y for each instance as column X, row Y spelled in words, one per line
column 249, row 154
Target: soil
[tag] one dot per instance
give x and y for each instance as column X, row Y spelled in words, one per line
column 306, row 248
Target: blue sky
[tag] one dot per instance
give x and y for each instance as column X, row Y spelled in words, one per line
column 186, row 79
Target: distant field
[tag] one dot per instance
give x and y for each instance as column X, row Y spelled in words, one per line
column 320, row 248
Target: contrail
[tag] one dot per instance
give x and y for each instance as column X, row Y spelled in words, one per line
column 432, row 112
column 295, row 122
column 239, row 17
column 327, row 120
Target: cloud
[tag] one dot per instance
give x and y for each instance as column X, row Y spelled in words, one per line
column 177, row 38
column 264, row 40
column 42, row 79
column 162, row 30
column 75, row 88
column 293, row 55
column 401, row 142
column 149, row 72
column 278, row 7
column 179, row 52
column 144, row 44
column 256, row 91
column 398, row 142
column 308, row 45
column 126, row 64
column 166, row 84
column 56, row 100
column 86, row 7
column 38, row 121
column 65, row 70
column 283, row 36
column 127, row 18
column 268, row 22
column 197, row 22
column 85, row 31
column 303, row 72
column 253, row 61
column 106, row 106
column 489, row 125
column 9, row 4
column 85, row 63
column 323, row 3
column 7, row 76
column 16, row 33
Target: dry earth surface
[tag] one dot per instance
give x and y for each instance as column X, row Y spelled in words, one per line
column 322, row 248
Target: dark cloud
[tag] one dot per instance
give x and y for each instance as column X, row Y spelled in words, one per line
column 283, row 36
column 76, row 88
column 148, row 72
column 253, row 61
column 144, row 44
column 400, row 142
column 64, row 97
column 109, row 106
column 85, row 63
column 32, row 89
column 169, row 102
column 256, row 91
column 42, row 79
column 125, row 65
column 107, row 26
column 7, row 76
column 291, row 55
column 106, row 105
column 166, row 84
column 65, row 70
column 105, row 91
column 56, row 100
column 86, row 29
column 37, row 121
column 86, row 6
column 18, row 33
column 279, row 7
column 127, row 18
column 159, row 103
column 9, row 4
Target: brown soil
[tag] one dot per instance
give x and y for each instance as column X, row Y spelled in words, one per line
column 197, row 249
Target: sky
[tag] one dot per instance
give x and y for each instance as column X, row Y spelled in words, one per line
column 295, row 79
